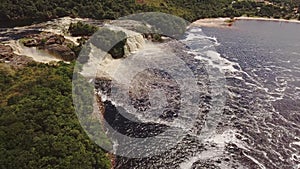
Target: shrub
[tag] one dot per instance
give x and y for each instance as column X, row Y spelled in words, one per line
column 82, row 29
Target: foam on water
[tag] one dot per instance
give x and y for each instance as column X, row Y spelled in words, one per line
column 33, row 52
column 216, row 152
column 124, row 71
column 208, row 53
column 60, row 26
column 253, row 131
column 255, row 160
column 254, row 87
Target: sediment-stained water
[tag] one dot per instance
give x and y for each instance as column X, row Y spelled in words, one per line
column 248, row 80
column 264, row 103
column 259, row 123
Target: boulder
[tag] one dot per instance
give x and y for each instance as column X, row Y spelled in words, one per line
column 30, row 42
column 61, row 51
column 55, row 39
column 45, row 38
column 55, row 44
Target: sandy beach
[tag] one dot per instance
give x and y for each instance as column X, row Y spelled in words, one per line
column 212, row 22
column 227, row 22
column 266, row 19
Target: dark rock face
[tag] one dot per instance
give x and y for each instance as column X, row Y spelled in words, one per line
column 54, row 44
column 114, row 117
column 7, row 56
column 55, row 39
column 31, row 43
column 44, row 38
column 5, row 50
column 153, row 79
column 61, row 51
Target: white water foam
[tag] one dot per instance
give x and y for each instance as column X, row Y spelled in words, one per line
column 207, row 53
column 60, row 26
column 255, row 161
column 33, row 52
column 220, row 141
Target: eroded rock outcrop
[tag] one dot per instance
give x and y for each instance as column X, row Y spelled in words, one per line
column 54, row 44
column 61, row 51
column 8, row 56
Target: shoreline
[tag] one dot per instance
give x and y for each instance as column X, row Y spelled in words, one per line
column 228, row 22
column 267, row 19
column 211, row 22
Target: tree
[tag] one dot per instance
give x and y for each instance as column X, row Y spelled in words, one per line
column 38, row 127
column 82, row 29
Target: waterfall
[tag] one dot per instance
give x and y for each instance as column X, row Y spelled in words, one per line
column 103, row 61
column 133, row 43
column 33, row 52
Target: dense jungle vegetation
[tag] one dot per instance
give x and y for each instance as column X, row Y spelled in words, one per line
column 108, row 9
column 38, row 126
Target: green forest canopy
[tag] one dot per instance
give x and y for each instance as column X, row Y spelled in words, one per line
column 38, row 125
column 189, row 10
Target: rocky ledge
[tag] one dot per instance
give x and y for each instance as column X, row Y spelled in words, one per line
column 55, row 44
column 8, row 56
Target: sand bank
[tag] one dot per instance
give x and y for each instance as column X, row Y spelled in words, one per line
column 227, row 22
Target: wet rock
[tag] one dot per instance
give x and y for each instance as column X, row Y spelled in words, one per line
column 168, row 114
column 61, row 51
column 16, row 61
column 30, row 42
column 54, row 44
column 124, row 122
column 55, row 39
column 227, row 159
column 5, row 50
column 239, row 137
column 33, row 40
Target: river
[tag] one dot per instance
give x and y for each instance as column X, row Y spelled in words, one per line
column 259, row 124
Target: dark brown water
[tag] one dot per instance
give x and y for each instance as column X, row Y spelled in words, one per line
column 260, row 121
